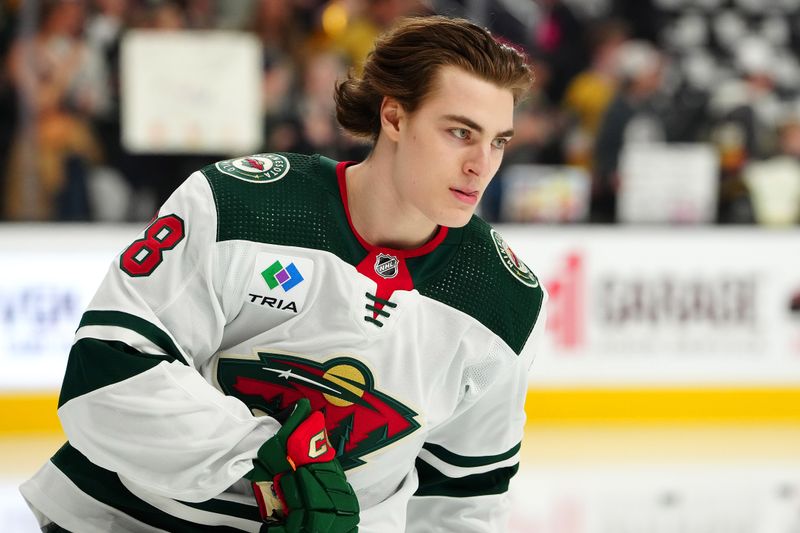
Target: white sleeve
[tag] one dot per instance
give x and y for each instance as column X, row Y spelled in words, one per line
column 465, row 465
column 132, row 400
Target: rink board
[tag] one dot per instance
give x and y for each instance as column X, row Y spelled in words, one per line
column 644, row 324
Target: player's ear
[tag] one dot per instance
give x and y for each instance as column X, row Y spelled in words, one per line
column 391, row 114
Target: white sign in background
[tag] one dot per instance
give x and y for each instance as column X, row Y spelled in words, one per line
column 49, row 274
column 191, row 92
column 628, row 307
column 667, row 182
column 666, row 307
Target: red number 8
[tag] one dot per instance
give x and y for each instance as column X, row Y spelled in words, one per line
column 143, row 255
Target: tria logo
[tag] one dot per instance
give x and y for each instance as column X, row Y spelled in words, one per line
column 286, row 277
column 281, row 286
column 386, row 266
column 359, row 418
column 275, row 303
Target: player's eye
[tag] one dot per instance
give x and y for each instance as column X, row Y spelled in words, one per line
column 500, row 143
column 460, row 133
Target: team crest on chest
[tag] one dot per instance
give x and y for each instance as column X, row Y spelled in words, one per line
column 387, row 266
column 513, row 263
column 359, row 418
column 259, row 168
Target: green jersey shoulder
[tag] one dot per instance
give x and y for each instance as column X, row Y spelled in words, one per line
column 281, row 198
column 486, row 280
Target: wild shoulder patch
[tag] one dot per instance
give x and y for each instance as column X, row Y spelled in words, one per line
column 513, row 263
column 259, row 168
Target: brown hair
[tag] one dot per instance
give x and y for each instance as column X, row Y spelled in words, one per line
column 406, row 59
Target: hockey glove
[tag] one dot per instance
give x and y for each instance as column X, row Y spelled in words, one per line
column 298, row 483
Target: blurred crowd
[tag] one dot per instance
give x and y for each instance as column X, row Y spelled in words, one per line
column 608, row 73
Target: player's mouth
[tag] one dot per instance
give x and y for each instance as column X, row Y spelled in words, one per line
column 467, row 196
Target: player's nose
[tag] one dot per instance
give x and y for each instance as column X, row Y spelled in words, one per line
column 477, row 161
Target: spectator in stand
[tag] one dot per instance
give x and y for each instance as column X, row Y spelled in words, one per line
column 632, row 116
column 277, row 88
column 305, row 121
column 560, row 41
column 590, row 92
column 168, row 15
column 308, row 124
column 104, row 30
column 63, row 84
column 278, row 29
column 316, row 108
column 201, row 14
column 774, row 184
column 384, row 13
column 8, row 97
column 360, row 23
column 354, row 34
column 105, row 26
column 644, row 20
column 744, row 125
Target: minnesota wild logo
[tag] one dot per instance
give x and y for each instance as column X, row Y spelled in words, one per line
column 359, row 418
column 513, row 263
column 259, row 168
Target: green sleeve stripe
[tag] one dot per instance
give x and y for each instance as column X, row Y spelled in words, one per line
column 95, row 363
column 434, row 483
column 141, row 326
column 469, row 461
column 105, row 486
column 240, row 510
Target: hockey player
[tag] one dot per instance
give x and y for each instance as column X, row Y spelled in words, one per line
column 272, row 286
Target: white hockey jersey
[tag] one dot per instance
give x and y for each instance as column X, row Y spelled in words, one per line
column 250, row 290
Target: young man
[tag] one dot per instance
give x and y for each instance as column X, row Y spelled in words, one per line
column 369, row 292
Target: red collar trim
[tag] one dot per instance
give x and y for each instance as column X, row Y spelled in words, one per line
column 426, row 248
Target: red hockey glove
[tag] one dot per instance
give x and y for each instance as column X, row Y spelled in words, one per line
column 297, row 481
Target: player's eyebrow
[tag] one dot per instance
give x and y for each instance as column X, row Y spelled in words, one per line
column 468, row 122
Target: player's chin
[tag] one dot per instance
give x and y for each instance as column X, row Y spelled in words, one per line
column 457, row 218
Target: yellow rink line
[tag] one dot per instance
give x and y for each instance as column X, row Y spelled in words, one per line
column 29, row 412
column 36, row 412
column 663, row 405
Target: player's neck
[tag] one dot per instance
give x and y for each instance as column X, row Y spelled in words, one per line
column 377, row 209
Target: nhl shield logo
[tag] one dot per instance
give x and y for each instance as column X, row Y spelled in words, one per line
column 259, row 168
column 386, row 266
